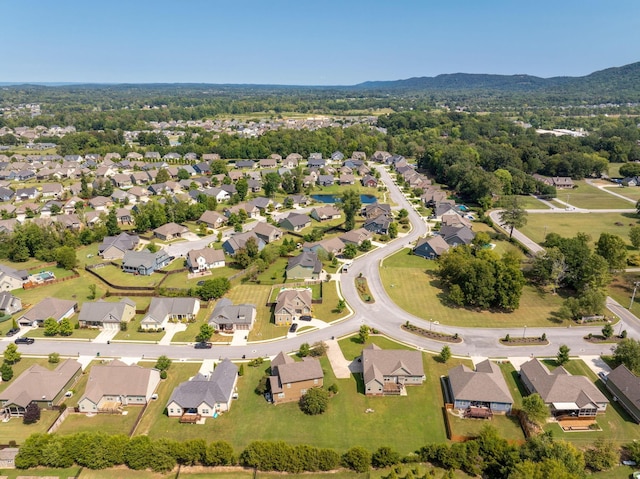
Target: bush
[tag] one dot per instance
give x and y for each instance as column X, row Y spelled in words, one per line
column 357, row 459
column 31, row 413
column 163, row 374
column 315, row 401
column 385, row 457
column 333, row 389
column 54, row 358
column 6, row 372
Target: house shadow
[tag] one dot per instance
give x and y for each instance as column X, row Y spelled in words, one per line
column 359, row 382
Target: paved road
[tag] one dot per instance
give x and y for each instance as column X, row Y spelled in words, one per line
column 383, row 315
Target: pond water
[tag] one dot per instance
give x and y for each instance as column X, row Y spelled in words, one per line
column 365, row 199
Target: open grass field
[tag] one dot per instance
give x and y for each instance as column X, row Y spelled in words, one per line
column 621, row 289
column 616, row 424
column 590, row 197
column 631, row 192
column 404, row 422
column 76, row 289
column 508, row 426
column 569, row 224
column 419, row 292
column 531, row 203
column 109, row 423
column 15, row 430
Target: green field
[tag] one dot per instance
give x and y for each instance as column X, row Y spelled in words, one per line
column 108, row 423
column 118, row 277
column 531, row 203
column 15, row 430
column 590, row 197
column 258, row 295
column 410, row 282
column 404, row 422
column 508, row 426
column 569, row 224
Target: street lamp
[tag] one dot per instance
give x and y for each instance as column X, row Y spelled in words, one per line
column 524, row 333
column 635, row 287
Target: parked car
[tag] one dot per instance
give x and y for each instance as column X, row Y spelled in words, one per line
column 293, row 328
column 305, row 318
column 24, row 341
column 13, row 331
column 203, row 345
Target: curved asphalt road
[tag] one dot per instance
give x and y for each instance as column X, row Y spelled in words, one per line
column 383, row 315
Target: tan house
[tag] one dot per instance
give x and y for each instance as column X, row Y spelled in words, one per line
column 386, row 372
column 41, row 385
column 116, row 384
column 326, row 213
column 170, row 231
column 290, row 380
column 213, row 219
column 291, row 304
column 106, row 314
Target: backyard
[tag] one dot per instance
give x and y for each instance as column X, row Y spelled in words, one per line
column 410, row 282
column 107, row 423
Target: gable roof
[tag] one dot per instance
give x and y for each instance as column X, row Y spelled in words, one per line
column 103, row 311
column 226, row 312
column 118, row 379
column 290, row 371
column 216, row 388
column 210, row 255
column 485, row 384
column 39, row 383
column 378, row 363
column 306, row 260
column 161, row 308
column 436, row 243
column 627, row 383
column 49, row 308
column 123, row 242
column 287, row 297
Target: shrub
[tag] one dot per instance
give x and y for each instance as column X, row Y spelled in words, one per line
column 357, row 459
column 54, row 358
column 385, row 457
column 31, row 413
column 163, row 374
column 333, row 389
column 315, row 401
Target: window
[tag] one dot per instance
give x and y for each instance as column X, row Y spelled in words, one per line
column 171, row 411
column 288, row 385
column 205, row 411
column 315, row 381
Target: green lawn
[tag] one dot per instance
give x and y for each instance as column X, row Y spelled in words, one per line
column 189, row 335
column 258, row 295
column 616, row 424
column 15, row 430
column 501, row 246
column 179, row 280
column 84, row 333
column 621, row 289
column 118, row 277
column 132, row 333
column 407, row 423
column 570, row 224
column 108, row 423
column 531, row 203
column 76, row 289
column 45, row 472
column 631, row 192
column 508, row 426
column 410, row 282
column 515, row 385
column 326, row 310
column 590, row 197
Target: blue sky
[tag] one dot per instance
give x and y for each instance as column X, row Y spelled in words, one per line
column 326, row 42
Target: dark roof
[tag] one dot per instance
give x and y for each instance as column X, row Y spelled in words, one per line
column 627, row 383
column 216, row 388
column 226, row 312
column 485, row 384
column 306, row 260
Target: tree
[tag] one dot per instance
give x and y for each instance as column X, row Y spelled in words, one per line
column 51, row 327
column 363, row 334
column 357, row 459
column 214, row 288
column 365, row 245
column 315, row 401
column 602, row 456
column 342, row 304
column 183, row 174
column 304, row 350
column 112, row 223
column 613, row 249
column 163, row 363
column 206, row 331
column 271, row 184
column 549, row 266
column 385, row 457
column 92, row 291
column 11, row 354
column 65, row 328
column 242, row 187
column 591, row 302
column 162, row 176
column 445, row 354
column 535, row 409
column 31, row 413
column 393, row 230
column 6, row 371
column 562, row 357
column 54, row 358
column 66, row 257
column 350, row 251
column 513, row 215
column 607, row 331
column 350, row 203
column 634, row 236
column 627, row 352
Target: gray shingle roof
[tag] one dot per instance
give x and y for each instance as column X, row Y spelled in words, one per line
column 226, row 312
column 306, row 260
column 377, row 363
column 485, row 384
column 217, row 388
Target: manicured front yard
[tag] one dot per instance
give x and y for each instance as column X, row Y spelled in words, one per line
column 410, row 282
column 326, row 311
column 84, row 333
column 132, row 333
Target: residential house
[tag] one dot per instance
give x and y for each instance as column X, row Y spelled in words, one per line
column 457, row 235
column 55, row 308
column 330, row 246
column 239, row 240
column 359, row 155
column 100, row 203
column 374, row 210
column 297, row 201
column 199, row 260
column 347, row 179
column 11, row 278
column 316, row 163
column 295, row 222
column 369, row 181
column 388, row 371
column 229, row 317
column 290, row 380
column 625, row 386
column 122, row 180
column 106, row 314
column 380, row 156
column 116, row 384
column 40, row 385
column 246, row 164
column 326, row 213
column 292, row 160
column 291, row 304
column 337, row 156
column 23, row 194
column 249, row 208
column 325, row 180
column 205, row 396
column 71, row 221
column 163, row 310
column 202, row 168
column 562, row 182
column 431, row 248
column 268, row 163
column 356, row 236
column 378, row 224
column 213, row 219
column 144, row 262
column 481, row 392
column 124, row 216
column 6, row 194
column 170, row 231
column 267, row 232
column 9, row 304
column 564, row 394
column 114, row 247
column 52, row 190
column 304, row 266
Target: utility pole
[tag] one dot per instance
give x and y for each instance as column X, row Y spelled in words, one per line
column 633, row 296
